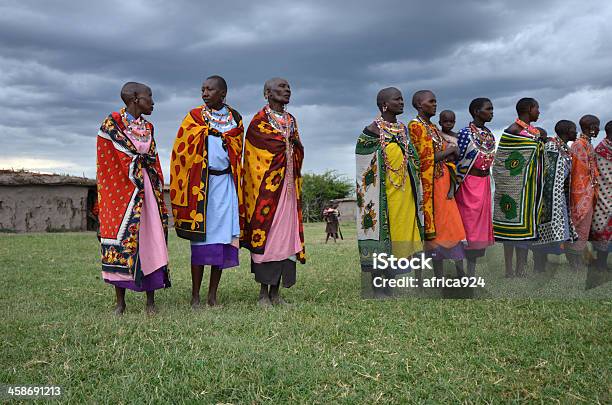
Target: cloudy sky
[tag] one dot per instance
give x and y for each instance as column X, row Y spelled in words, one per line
column 62, row 64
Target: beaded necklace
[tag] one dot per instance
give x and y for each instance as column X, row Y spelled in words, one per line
column 438, row 144
column 137, row 128
column 283, row 122
column 484, row 141
column 215, row 116
column 532, row 132
column 394, row 131
column 564, row 150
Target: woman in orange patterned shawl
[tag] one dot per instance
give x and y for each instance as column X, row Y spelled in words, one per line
column 583, row 186
column 132, row 213
column 205, row 182
column 271, row 212
column 444, row 230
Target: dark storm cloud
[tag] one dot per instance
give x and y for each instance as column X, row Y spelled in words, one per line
column 63, row 64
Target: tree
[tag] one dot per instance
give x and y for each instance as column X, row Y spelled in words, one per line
column 318, row 189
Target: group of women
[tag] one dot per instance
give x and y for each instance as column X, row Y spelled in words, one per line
column 227, row 190
column 420, row 188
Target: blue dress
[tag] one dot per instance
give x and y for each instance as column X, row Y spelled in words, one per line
column 222, row 223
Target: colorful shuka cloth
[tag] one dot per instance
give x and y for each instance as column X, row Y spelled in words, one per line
column 132, row 214
column 517, row 172
column 190, row 170
column 206, row 172
column 441, row 214
column 476, row 150
column 583, row 189
column 555, row 223
column 421, row 139
column 271, row 210
column 601, row 229
column 389, row 218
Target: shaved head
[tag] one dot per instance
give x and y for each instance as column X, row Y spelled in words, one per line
column 131, row 90
column 385, row 95
column 219, row 81
column 587, row 121
column 271, row 82
column 564, row 127
column 419, row 96
column 525, row 104
column 608, row 129
column 447, row 114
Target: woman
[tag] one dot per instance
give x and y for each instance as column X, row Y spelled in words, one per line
column 388, row 187
column 272, row 186
column 555, row 226
column 443, row 227
column 133, row 216
column 204, row 186
column 476, row 153
column 517, row 172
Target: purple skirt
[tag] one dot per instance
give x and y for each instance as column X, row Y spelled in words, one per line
column 220, row 255
column 154, row 281
column 442, row 253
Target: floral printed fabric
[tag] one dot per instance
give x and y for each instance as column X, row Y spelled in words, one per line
column 265, row 166
column 423, row 144
column 189, row 171
column 120, row 183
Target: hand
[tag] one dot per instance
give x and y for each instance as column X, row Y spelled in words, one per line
column 452, row 150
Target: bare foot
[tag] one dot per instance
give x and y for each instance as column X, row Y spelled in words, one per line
column 195, row 302
column 264, row 302
column 119, row 309
column 151, row 309
column 212, row 302
column 278, row 300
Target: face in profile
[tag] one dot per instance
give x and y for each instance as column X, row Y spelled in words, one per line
column 429, row 104
column 279, row 92
column 534, row 113
column 395, row 102
column 144, row 99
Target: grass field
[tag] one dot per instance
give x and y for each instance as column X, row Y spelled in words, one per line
column 330, row 346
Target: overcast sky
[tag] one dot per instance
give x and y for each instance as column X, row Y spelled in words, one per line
column 62, row 64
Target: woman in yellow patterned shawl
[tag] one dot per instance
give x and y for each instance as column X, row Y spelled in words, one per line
column 205, row 186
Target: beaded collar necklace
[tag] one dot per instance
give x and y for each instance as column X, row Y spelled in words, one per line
column 483, row 139
column 433, row 132
column 217, row 117
column 282, row 122
column 532, row 132
column 137, row 128
column 394, row 131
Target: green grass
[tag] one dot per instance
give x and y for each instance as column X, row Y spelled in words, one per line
column 331, row 346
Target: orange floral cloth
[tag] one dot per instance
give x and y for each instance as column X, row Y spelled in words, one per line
column 583, row 190
column 265, row 160
column 189, row 171
column 423, row 143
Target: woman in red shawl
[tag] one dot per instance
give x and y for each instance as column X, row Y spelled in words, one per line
column 133, row 216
